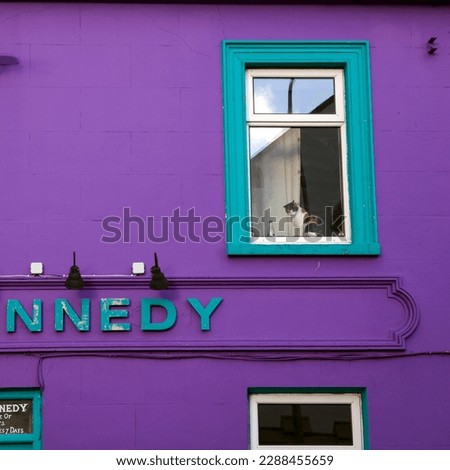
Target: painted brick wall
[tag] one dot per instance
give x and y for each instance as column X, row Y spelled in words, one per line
column 116, row 106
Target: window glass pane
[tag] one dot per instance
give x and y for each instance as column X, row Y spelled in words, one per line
column 294, row 95
column 305, row 424
column 296, row 182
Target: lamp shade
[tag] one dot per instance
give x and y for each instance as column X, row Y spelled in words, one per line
column 74, row 279
column 158, row 280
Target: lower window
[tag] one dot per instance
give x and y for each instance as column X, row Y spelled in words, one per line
column 306, row 420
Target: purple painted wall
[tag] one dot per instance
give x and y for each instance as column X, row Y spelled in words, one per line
column 117, row 106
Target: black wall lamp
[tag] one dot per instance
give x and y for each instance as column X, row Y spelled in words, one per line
column 158, row 280
column 74, row 279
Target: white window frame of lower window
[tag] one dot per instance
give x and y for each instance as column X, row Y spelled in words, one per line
column 352, row 399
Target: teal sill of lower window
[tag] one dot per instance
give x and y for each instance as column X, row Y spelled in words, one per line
column 353, row 249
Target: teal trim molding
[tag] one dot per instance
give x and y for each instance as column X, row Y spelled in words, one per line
column 353, row 58
column 20, row 426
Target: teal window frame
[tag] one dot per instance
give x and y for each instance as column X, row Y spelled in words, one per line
column 361, row 391
column 32, row 441
column 353, row 58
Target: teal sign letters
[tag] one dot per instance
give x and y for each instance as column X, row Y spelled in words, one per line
column 113, row 314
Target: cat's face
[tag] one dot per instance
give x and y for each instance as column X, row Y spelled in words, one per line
column 291, row 208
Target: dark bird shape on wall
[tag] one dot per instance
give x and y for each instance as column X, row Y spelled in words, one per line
column 431, row 46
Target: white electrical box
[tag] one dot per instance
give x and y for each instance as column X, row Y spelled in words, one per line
column 36, row 269
column 138, row 269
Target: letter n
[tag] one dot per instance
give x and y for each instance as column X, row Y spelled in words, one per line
column 63, row 307
column 14, row 308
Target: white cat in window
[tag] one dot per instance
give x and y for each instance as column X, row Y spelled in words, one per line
column 301, row 219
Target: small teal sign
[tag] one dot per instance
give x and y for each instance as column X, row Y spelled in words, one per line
column 15, row 417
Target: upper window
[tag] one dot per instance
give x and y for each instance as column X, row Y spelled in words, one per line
column 298, row 149
column 306, row 420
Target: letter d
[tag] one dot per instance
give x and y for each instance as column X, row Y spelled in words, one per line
column 146, row 314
